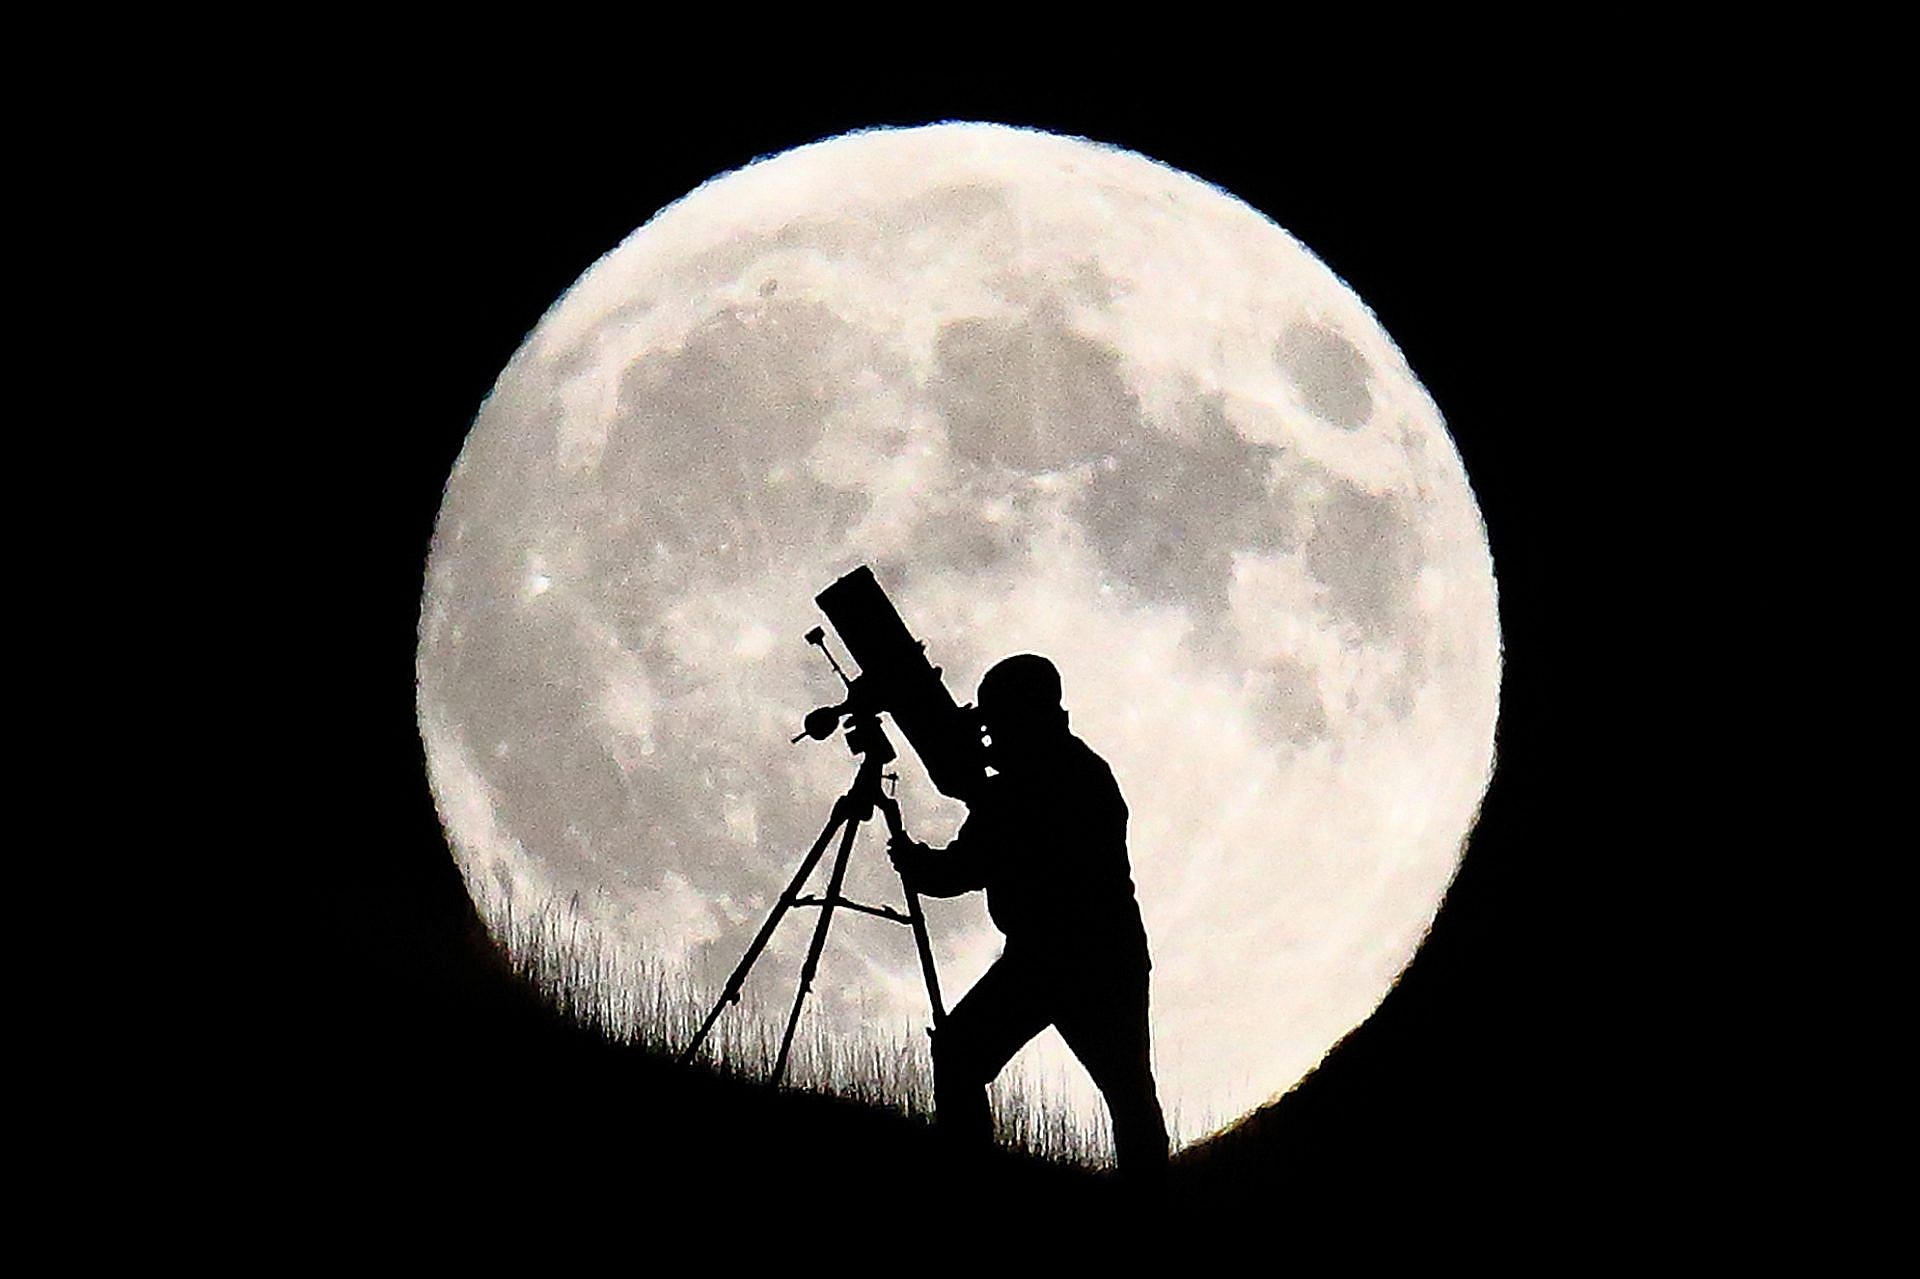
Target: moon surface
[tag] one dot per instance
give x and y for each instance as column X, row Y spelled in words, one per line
column 1063, row 399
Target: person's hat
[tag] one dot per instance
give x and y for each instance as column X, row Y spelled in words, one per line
column 1026, row 680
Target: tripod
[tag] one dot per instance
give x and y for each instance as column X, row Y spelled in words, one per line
column 866, row 739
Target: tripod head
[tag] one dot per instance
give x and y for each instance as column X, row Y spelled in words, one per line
column 860, row 711
column 866, row 740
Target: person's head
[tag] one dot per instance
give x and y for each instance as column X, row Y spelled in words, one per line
column 1019, row 703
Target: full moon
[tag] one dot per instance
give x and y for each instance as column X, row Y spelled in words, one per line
column 1062, row 399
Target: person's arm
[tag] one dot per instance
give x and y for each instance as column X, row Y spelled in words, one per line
column 958, row 868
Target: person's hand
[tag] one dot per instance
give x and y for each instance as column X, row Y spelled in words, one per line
column 904, row 853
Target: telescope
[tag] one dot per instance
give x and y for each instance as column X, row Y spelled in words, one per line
column 897, row 680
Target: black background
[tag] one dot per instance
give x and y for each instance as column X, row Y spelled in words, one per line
column 1494, row 231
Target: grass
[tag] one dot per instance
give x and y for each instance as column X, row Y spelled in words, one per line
column 657, row 1008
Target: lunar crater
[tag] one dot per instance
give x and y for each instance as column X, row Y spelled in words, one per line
column 1032, row 394
column 1365, row 549
column 1167, row 514
column 1330, row 373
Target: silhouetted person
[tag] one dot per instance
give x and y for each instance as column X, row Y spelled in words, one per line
column 1047, row 840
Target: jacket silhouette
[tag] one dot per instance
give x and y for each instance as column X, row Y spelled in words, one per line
column 1050, row 849
column 1046, row 839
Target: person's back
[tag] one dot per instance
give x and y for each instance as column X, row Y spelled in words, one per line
column 1054, row 841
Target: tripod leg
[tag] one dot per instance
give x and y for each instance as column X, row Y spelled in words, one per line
column 732, row 993
column 812, row 965
column 926, row 954
column 891, row 811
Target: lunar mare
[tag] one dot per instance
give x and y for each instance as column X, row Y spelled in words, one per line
column 1063, row 399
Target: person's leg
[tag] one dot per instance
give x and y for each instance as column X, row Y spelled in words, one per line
column 1005, row 1009
column 1104, row 1020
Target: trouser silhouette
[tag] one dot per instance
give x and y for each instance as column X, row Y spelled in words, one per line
column 1101, row 1012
